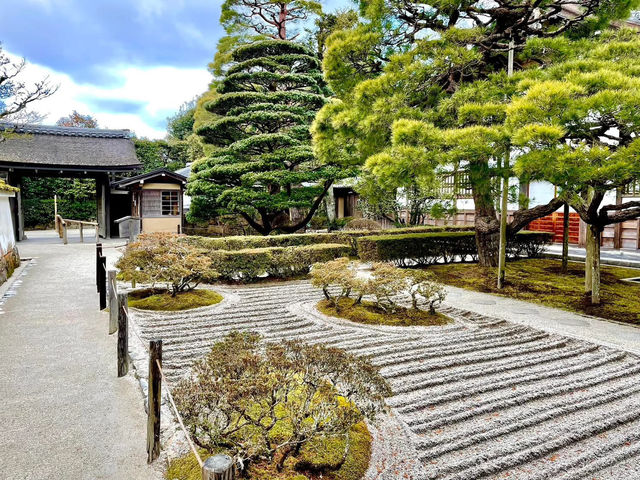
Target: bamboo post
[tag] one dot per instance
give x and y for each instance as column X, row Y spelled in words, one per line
column 154, row 400
column 565, row 238
column 81, row 234
column 218, row 467
column 102, row 287
column 123, row 334
column 113, row 301
column 98, row 255
column 504, row 204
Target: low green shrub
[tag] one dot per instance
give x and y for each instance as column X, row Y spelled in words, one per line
column 346, row 237
column 277, row 262
column 446, row 246
column 419, row 248
column 528, row 244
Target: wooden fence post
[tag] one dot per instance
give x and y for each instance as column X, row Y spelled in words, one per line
column 102, row 287
column 81, row 234
column 113, row 301
column 64, row 233
column 218, row 467
column 154, row 400
column 98, row 255
column 123, row 335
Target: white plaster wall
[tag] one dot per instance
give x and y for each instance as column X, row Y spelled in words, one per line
column 7, row 238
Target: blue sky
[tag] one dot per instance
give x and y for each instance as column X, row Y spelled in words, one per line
column 129, row 63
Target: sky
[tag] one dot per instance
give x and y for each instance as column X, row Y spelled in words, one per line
column 129, row 63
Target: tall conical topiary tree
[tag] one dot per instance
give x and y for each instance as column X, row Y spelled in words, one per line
column 264, row 168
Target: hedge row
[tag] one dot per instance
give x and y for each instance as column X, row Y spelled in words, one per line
column 277, row 262
column 299, row 239
column 427, row 248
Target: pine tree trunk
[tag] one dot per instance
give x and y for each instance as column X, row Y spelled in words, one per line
column 488, row 244
column 486, row 220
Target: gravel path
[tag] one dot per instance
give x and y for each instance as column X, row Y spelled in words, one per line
column 481, row 398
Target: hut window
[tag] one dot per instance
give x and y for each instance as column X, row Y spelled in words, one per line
column 160, row 203
column 170, row 203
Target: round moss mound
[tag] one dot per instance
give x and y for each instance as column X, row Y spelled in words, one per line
column 322, row 458
column 161, row 300
column 367, row 313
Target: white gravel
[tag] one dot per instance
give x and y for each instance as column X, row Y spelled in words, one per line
column 482, row 398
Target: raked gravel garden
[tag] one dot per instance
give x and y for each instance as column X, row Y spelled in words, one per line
column 478, row 398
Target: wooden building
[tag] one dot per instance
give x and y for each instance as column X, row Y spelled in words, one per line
column 67, row 152
column 155, row 199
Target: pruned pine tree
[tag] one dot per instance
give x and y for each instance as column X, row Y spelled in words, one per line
column 264, row 168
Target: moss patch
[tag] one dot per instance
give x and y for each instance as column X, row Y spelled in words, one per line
column 368, row 313
column 155, row 299
column 540, row 281
column 322, row 459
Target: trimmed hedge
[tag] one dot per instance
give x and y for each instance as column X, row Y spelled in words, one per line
column 277, row 262
column 346, row 237
column 428, row 248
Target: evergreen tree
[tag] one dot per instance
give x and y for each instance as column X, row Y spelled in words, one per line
column 406, row 60
column 263, row 167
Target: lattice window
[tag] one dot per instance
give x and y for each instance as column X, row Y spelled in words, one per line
column 456, row 184
column 171, row 203
column 160, row 203
column 632, row 189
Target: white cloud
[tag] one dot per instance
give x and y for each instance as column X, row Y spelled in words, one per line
column 160, row 91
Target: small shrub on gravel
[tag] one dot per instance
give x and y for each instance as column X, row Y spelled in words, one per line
column 338, row 280
column 265, row 403
column 161, row 258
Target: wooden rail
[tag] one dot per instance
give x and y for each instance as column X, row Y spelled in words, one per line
column 61, row 228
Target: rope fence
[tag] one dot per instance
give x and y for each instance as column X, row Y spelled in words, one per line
column 217, row 467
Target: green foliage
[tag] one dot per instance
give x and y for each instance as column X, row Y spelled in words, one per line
column 76, row 200
column 154, row 154
column 576, row 123
column 262, row 166
column 420, row 90
column 345, row 237
column 265, row 401
column 180, row 125
column 428, row 248
column 161, row 300
column 163, row 258
column 276, row 262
